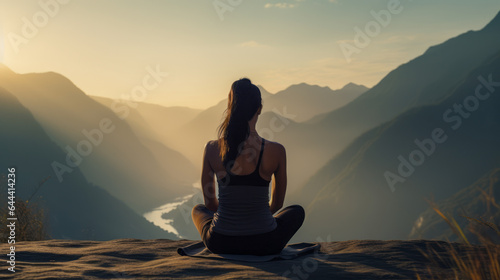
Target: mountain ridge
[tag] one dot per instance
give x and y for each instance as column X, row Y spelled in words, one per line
column 110, row 162
column 494, row 24
column 357, row 174
column 65, row 204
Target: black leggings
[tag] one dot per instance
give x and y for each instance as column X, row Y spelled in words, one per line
column 288, row 221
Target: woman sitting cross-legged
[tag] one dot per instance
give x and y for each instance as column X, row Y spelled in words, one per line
column 243, row 220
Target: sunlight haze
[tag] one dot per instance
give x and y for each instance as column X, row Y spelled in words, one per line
column 104, row 47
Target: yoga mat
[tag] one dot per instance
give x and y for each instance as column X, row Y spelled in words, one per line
column 291, row 251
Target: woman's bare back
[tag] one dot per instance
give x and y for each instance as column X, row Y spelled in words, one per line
column 246, row 162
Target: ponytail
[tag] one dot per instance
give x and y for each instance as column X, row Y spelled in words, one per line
column 243, row 102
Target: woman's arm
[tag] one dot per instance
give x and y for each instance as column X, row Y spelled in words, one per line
column 279, row 183
column 208, row 181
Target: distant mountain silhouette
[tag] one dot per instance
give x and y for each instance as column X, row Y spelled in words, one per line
column 166, row 120
column 120, row 162
column 494, row 24
column 306, row 101
column 153, row 124
column 352, row 190
column 425, row 80
column 75, row 209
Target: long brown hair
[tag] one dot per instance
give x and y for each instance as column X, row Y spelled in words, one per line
column 243, row 102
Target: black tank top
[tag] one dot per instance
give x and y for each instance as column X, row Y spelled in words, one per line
column 252, row 179
column 244, row 204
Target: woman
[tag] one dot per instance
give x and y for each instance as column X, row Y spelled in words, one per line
column 241, row 221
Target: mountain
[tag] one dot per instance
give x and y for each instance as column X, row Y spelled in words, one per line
column 152, row 123
column 307, row 101
column 169, row 118
column 166, row 121
column 425, row 80
column 75, row 208
column 160, row 122
column 377, row 186
column 98, row 141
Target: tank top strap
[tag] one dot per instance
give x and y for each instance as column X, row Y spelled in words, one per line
column 260, row 156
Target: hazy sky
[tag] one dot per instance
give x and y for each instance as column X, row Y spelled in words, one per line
column 105, row 46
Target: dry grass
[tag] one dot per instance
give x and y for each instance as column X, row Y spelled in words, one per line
column 31, row 220
column 474, row 262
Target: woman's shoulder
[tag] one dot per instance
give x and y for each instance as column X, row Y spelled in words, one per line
column 212, row 145
column 274, row 146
